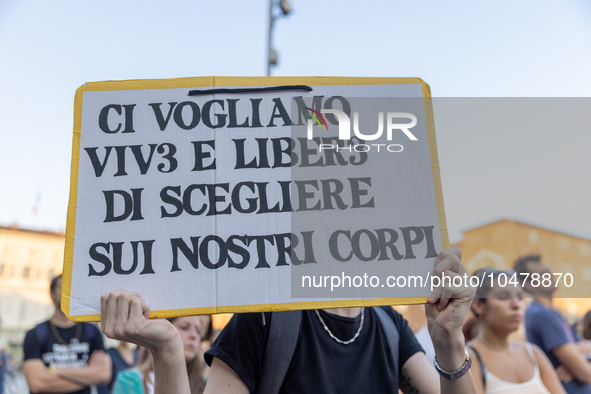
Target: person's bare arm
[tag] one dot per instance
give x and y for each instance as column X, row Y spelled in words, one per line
column 584, row 347
column 446, row 312
column 125, row 316
column 40, row 380
column 418, row 365
column 547, row 373
column 97, row 372
column 451, row 356
column 223, row 379
column 563, row 374
column 572, row 359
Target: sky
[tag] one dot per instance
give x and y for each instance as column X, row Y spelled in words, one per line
column 502, row 49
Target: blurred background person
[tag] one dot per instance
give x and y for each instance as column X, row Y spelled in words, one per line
column 3, row 368
column 500, row 365
column 586, row 326
column 140, row 380
column 577, row 328
column 207, row 331
column 582, row 330
column 61, row 356
column 545, row 327
column 123, row 357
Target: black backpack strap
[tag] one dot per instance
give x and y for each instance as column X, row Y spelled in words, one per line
column 482, row 369
column 391, row 332
column 284, row 334
column 89, row 330
column 41, row 331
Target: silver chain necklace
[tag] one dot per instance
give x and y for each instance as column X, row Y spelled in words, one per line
column 337, row 339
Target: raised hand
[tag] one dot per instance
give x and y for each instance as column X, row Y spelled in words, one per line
column 125, row 316
column 447, row 308
column 449, row 304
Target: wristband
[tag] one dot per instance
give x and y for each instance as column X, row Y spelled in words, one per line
column 455, row 374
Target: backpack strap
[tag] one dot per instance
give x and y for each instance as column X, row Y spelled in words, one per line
column 89, row 330
column 284, row 334
column 482, row 368
column 41, row 331
column 391, row 333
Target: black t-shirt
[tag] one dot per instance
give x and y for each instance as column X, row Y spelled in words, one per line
column 319, row 363
column 42, row 344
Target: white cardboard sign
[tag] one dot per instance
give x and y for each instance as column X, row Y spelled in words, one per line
column 195, row 201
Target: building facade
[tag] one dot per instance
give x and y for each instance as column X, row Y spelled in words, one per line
column 29, row 259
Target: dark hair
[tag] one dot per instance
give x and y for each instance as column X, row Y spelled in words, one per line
column 485, row 282
column 470, row 328
column 520, row 265
column 53, row 283
column 209, row 331
column 587, row 325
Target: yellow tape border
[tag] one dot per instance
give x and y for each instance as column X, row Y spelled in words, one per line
column 169, row 313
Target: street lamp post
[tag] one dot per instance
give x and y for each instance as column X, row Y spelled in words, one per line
column 285, row 7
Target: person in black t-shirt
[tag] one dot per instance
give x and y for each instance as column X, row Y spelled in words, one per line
column 325, row 363
column 64, row 357
column 318, row 365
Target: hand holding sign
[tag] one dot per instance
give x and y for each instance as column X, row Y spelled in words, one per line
column 124, row 316
column 447, row 309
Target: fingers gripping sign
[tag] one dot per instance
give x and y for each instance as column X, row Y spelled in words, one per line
column 125, row 316
column 446, row 312
column 450, row 301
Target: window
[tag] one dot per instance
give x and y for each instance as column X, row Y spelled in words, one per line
column 26, row 272
column 1, row 270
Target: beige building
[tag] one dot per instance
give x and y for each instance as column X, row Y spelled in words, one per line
column 29, row 259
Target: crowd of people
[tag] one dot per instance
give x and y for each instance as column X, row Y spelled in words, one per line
column 370, row 349
column 61, row 356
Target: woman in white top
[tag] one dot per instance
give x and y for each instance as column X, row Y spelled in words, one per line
column 499, row 365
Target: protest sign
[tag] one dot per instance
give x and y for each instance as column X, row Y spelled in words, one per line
column 218, row 194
